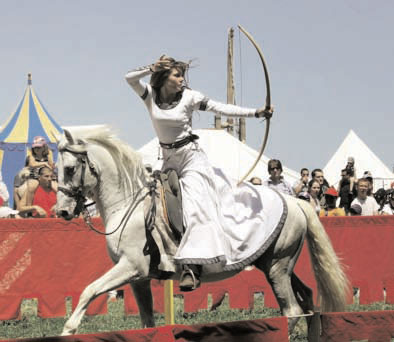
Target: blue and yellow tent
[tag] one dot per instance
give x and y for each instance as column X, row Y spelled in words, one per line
column 29, row 120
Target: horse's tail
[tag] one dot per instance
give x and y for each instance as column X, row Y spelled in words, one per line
column 332, row 282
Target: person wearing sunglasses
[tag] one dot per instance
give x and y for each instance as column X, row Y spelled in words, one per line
column 276, row 180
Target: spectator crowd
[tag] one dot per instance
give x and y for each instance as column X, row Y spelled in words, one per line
column 351, row 197
column 35, row 185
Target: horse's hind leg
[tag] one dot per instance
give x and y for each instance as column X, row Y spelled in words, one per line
column 278, row 263
column 280, row 282
column 304, row 296
column 143, row 295
column 117, row 276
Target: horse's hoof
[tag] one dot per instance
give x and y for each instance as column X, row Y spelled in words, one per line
column 68, row 332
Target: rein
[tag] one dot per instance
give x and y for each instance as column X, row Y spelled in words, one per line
column 87, row 218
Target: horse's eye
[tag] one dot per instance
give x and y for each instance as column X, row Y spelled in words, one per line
column 69, row 170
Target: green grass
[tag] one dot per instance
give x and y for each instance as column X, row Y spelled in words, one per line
column 32, row 326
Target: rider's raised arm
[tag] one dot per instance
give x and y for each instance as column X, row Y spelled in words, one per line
column 203, row 103
column 134, row 78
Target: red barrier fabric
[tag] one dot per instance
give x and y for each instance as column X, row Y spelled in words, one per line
column 374, row 326
column 160, row 334
column 271, row 329
column 51, row 259
column 365, row 245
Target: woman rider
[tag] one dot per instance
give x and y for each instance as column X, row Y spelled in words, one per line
column 209, row 236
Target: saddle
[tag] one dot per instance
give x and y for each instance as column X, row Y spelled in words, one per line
column 172, row 200
column 163, row 223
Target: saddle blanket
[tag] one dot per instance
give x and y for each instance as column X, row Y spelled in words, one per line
column 257, row 216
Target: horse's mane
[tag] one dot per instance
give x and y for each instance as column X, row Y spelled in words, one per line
column 128, row 161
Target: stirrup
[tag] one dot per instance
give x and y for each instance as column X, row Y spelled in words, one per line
column 185, row 287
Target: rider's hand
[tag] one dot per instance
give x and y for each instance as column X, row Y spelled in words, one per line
column 264, row 112
column 164, row 63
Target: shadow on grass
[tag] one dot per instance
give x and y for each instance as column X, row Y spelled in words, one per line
column 30, row 325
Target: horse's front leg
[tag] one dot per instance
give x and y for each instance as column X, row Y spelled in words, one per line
column 143, row 295
column 117, row 276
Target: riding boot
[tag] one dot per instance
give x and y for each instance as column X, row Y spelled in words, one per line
column 190, row 278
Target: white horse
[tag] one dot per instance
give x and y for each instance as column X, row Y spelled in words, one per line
column 96, row 164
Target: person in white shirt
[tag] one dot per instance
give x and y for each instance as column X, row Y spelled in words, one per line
column 301, row 185
column 368, row 204
column 171, row 104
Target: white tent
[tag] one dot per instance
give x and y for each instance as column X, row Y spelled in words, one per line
column 225, row 152
column 365, row 160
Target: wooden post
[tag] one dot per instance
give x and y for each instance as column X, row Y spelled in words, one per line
column 230, row 78
column 169, row 302
column 218, row 121
column 242, row 130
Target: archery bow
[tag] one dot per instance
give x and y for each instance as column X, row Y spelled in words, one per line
column 267, row 101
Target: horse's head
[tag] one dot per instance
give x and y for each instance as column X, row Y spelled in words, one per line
column 76, row 176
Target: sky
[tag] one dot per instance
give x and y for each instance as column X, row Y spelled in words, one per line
column 330, row 65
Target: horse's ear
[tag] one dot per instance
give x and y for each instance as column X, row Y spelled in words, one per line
column 77, row 148
column 68, row 136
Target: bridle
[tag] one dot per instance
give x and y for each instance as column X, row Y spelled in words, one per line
column 76, row 192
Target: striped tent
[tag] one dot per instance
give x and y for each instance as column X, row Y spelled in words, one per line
column 29, row 120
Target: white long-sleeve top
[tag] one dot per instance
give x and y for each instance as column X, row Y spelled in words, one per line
column 175, row 123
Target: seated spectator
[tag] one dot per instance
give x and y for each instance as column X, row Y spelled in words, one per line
column 355, row 210
column 313, row 190
column 317, row 174
column 331, row 207
column 44, row 199
column 302, row 184
column 20, row 186
column 367, row 203
column 346, row 196
column 368, row 176
column 37, row 157
column 276, row 181
column 256, row 181
column 388, row 208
